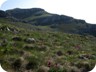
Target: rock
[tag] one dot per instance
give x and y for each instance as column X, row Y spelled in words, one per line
column 4, row 28
column 85, row 56
column 59, row 53
column 14, row 30
column 17, row 38
column 81, row 57
column 7, row 28
column 30, row 40
column 22, row 59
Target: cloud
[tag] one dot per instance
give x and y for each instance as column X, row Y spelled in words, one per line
column 2, row 1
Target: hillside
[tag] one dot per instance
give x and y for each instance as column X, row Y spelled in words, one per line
column 23, row 49
column 33, row 40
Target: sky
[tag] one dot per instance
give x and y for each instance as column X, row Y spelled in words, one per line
column 80, row 9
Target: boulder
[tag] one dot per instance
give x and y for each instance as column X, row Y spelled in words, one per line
column 30, row 40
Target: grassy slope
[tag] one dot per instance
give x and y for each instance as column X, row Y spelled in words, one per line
column 36, row 17
column 45, row 49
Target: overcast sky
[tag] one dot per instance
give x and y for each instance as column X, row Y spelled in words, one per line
column 80, row 9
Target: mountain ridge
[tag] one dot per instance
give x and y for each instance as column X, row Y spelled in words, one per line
column 36, row 11
column 39, row 17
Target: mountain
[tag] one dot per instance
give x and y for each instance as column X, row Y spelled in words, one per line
column 33, row 40
column 39, row 17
